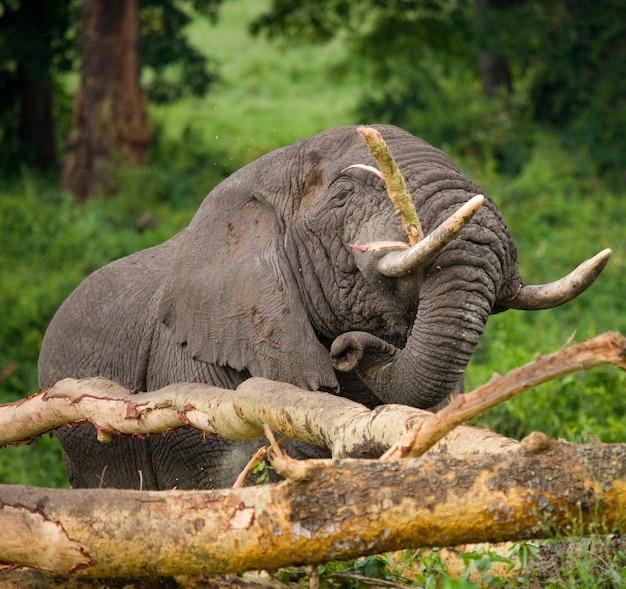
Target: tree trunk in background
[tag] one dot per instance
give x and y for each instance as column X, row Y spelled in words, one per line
column 37, row 121
column 31, row 30
column 493, row 68
column 110, row 114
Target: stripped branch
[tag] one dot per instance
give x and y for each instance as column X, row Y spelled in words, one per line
column 394, row 182
column 608, row 348
column 322, row 419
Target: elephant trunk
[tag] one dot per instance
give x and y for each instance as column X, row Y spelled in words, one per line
column 455, row 303
column 449, row 322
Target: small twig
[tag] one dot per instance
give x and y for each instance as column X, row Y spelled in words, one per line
column 260, row 454
column 609, row 348
column 373, row 581
column 394, row 182
column 284, row 465
column 314, row 577
column 274, row 445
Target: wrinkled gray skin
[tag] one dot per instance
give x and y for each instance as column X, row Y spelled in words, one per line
column 262, row 282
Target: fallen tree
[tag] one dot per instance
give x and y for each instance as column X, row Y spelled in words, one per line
column 325, row 510
column 457, row 491
column 346, row 427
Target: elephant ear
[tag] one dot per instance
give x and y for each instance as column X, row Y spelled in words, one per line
column 231, row 297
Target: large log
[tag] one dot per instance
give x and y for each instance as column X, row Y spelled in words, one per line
column 325, row 510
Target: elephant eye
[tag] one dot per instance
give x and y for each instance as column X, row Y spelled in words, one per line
column 342, row 195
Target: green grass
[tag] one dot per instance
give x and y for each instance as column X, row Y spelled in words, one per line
column 270, row 95
column 594, row 562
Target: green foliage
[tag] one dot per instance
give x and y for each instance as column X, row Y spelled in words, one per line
column 360, row 573
column 595, row 561
column 37, row 52
column 261, row 471
column 172, row 68
column 406, row 52
column 49, row 243
column 39, row 464
column 268, row 95
column 444, row 106
column 560, row 212
column 572, row 57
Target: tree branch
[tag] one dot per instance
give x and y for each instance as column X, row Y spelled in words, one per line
column 608, row 348
column 346, row 427
column 394, row 182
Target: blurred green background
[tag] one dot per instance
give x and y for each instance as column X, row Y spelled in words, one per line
column 548, row 147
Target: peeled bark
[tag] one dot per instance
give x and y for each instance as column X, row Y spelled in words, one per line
column 346, row 427
column 394, row 182
column 328, row 511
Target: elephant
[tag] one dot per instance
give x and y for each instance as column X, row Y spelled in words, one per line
column 269, row 280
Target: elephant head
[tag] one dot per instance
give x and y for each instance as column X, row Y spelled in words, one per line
column 269, row 278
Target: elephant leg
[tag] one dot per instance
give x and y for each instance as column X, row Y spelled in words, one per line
column 186, row 459
column 122, row 463
column 182, row 459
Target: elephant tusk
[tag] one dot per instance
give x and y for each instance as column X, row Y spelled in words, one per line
column 401, row 263
column 553, row 294
column 367, row 168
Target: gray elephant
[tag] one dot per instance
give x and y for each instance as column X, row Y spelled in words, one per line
column 266, row 281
